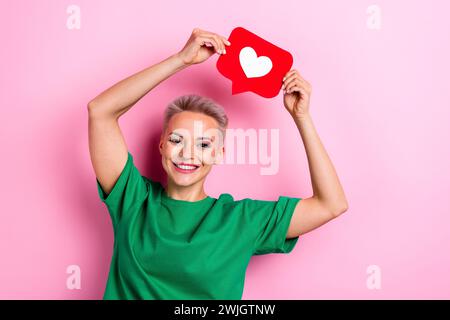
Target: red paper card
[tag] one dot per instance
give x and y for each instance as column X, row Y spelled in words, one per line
column 254, row 64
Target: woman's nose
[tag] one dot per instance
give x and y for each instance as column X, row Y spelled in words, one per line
column 187, row 151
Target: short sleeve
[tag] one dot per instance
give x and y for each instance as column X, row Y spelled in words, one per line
column 271, row 220
column 129, row 189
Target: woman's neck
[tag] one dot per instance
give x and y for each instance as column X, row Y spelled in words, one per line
column 189, row 193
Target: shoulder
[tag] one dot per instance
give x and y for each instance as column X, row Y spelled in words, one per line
column 225, row 198
column 228, row 201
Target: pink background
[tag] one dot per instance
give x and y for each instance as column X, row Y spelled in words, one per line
column 380, row 103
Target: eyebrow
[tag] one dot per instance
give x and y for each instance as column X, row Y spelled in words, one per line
column 199, row 138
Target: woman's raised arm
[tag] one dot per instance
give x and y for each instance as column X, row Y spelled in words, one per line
column 119, row 98
column 328, row 200
column 107, row 145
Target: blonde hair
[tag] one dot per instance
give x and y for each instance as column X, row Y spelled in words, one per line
column 196, row 103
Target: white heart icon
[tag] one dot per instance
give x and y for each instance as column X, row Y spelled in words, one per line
column 253, row 65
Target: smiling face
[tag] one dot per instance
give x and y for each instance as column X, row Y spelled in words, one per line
column 191, row 144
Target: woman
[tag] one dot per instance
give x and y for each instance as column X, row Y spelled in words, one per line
column 175, row 241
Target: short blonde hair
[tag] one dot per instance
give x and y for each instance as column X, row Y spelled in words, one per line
column 196, row 103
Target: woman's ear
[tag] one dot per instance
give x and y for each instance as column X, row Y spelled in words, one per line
column 161, row 143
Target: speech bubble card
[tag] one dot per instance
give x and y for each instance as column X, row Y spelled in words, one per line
column 254, row 64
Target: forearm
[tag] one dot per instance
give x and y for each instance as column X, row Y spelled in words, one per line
column 324, row 179
column 119, row 98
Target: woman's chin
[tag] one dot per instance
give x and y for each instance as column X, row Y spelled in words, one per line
column 182, row 179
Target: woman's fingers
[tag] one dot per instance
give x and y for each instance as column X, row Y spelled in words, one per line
column 298, row 89
column 220, row 41
column 228, row 43
column 289, row 73
column 225, row 43
column 293, row 78
column 292, row 84
column 299, row 83
column 290, row 79
column 292, row 73
column 217, row 44
column 202, row 40
column 295, row 82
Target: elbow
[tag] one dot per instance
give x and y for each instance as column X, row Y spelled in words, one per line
column 94, row 104
column 91, row 107
column 95, row 110
column 336, row 207
column 340, row 209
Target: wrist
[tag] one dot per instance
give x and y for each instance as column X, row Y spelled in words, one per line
column 302, row 118
column 179, row 62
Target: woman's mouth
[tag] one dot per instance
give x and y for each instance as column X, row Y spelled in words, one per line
column 185, row 168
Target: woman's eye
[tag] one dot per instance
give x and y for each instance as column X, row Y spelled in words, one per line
column 176, row 141
column 205, row 145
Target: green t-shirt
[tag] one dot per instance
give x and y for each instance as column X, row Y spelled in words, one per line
column 174, row 249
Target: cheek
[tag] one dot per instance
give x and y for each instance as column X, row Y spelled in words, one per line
column 170, row 151
column 208, row 156
column 215, row 151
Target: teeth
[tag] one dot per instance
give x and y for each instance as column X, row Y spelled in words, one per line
column 185, row 167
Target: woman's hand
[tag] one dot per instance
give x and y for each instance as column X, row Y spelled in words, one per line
column 201, row 45
column 297, row 93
